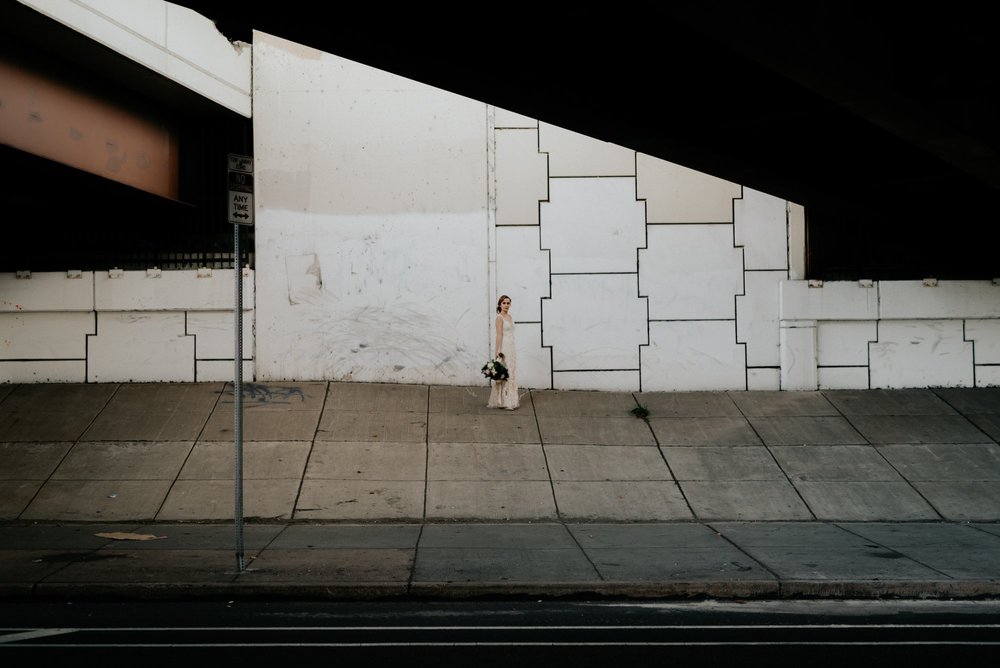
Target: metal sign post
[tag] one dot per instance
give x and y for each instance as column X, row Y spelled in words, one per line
column 240, row 182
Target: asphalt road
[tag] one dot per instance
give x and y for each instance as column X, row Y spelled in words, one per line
column 502, row 633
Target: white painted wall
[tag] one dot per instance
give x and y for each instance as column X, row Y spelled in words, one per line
column 390, row 216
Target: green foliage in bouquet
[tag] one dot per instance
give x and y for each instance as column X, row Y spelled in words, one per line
column 495, row 369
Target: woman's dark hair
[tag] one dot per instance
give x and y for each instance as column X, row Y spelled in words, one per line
column 502, row 297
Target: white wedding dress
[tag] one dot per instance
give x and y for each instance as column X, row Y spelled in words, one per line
column 504, row 393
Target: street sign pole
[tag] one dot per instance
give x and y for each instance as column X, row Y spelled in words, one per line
column 240, row 181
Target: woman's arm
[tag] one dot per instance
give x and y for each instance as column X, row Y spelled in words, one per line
column 499, row 345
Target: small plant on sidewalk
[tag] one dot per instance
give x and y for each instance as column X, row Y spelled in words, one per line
column 640, row 412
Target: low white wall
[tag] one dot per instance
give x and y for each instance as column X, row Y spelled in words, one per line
column 122, row 326
column 890, row 334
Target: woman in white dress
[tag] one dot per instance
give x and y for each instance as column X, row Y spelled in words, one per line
column 504, row 392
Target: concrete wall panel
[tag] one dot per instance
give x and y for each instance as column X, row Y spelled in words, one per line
column 676, row 194
column 921, row 353
column 521, row 177
column 574, row 154
column 47, row 291
column 594, row 322
column 690, row 272
column 26, row 336
column 692, row 356
column 140, row 347
column 593, row 225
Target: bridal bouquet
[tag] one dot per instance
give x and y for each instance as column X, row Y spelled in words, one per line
column 495, row 369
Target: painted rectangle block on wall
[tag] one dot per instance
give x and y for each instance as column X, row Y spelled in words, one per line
column 693, row 356
column 843, row 378
column 43, row 371
column 844, row 342
column 946, row 299
column 25, row 336
column 182, row 290
column 985, row 335
column 921, row 353
column 140, row 347
column 46, row 291
column 215, row 334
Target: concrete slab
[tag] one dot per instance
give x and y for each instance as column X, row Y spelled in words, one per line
column 527, row 536
column 190, row 500
column 327, row 536
column 124, row 460
column 775, row 403
column 486, row 461
column 688, row 404
column 15, row 495
column 539, row 547
column 98, row 500
column 335, row 460
column 500, row 426
column 621, row 501
column 35, row 565
column 606, row 462
column 757, row 500
column 458, row 400
column 30, row 461
column 742, row 462
column 59, row 537
column 121, row 424
column 834, row 462
column 509, row 565
column 43, row 425
column 583, row 430
column 989, row 423
column 508, row 500
column 888, row 402
column 361, row 426
column 865, row 501
column 270, row 424
column 339, row 565
column 918, row 429
column 945, row 461
column 989, row 528
column 579, row 403
column 89, row 398
column 836, row 563
column 202, row 536
column 262, row 460
column 278, row 396
column 361, row 500
column 377, row 397
column 780, row 535
column 966, row 500
column 116, row 564
column 646, row 535
column 703, row 431
column 676, row 564
column 981, row 400
column 955, row 550
column 5, row 391
column 818, row 551
column 793, row 430
column 166, row 398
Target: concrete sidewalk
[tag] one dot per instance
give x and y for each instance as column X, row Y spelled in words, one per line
column 362, row 490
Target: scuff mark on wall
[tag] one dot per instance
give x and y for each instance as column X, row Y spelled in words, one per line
column 368, row 342
column 304, row 275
